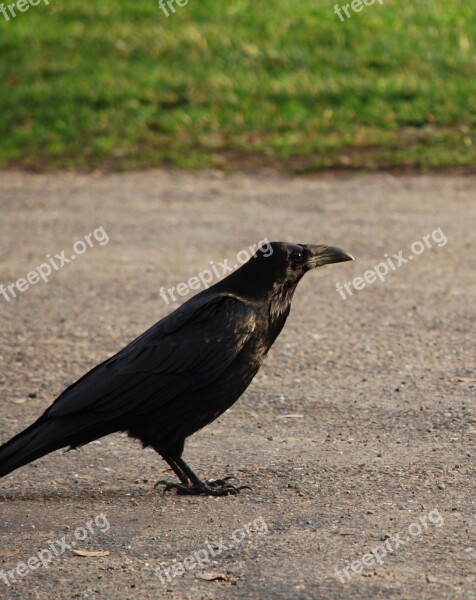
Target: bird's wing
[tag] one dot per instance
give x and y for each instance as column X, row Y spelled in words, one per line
column 186, row 350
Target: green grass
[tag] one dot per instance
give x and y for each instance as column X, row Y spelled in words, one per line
column 116, row 84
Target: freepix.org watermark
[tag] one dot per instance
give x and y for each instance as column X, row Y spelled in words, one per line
column 55, row 548
column 55, row 263
column 170, row 4
column 379, row 552
column 355, row 5
column 20, row 5
column 205, row 555
column 392, row 263
column 216, row 270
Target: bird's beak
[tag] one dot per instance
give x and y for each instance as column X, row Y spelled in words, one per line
column 325, row 255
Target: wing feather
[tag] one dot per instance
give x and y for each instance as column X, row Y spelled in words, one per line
column 188, row 349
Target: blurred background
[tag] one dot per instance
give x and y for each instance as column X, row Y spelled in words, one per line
column 118, row 84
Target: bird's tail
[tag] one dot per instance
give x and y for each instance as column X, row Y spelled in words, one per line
column 46, row 435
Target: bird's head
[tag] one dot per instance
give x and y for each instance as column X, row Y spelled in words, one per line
column 291, row 261
column 276, row 268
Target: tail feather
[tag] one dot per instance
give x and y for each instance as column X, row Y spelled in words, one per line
column 46, row 435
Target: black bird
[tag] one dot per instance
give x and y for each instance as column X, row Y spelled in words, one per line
column 183, row 372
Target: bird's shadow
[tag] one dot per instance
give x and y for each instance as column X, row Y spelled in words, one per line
column 82, row 494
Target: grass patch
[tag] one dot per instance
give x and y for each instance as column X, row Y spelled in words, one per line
column 118, row 85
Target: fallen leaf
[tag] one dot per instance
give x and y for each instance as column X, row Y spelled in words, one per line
column 91, row 553
column 291, row 416
column 212, row 576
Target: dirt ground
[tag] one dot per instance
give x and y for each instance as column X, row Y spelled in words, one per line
column 357, row 436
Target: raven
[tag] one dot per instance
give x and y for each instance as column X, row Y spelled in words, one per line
column 183, row 372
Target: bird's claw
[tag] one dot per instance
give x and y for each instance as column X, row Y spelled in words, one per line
column 168, row 485
column 220, row 482
column 217, row 487
column 223, row 483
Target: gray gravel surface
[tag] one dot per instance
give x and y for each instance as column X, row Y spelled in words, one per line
column 357, row 435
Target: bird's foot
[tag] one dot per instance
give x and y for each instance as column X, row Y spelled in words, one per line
column 220, row 482
column 213, row 487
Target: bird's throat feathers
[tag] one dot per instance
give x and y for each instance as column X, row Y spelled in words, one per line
column 280, row 302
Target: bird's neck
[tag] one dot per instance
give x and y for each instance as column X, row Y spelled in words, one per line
column 280, row 301
column 279, row 306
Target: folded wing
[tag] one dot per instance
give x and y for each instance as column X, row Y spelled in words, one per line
column 186, row 350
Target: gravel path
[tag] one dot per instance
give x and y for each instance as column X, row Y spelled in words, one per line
column 357, row 435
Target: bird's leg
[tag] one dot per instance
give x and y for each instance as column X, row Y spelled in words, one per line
column 193, row 485
column 176, row 469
